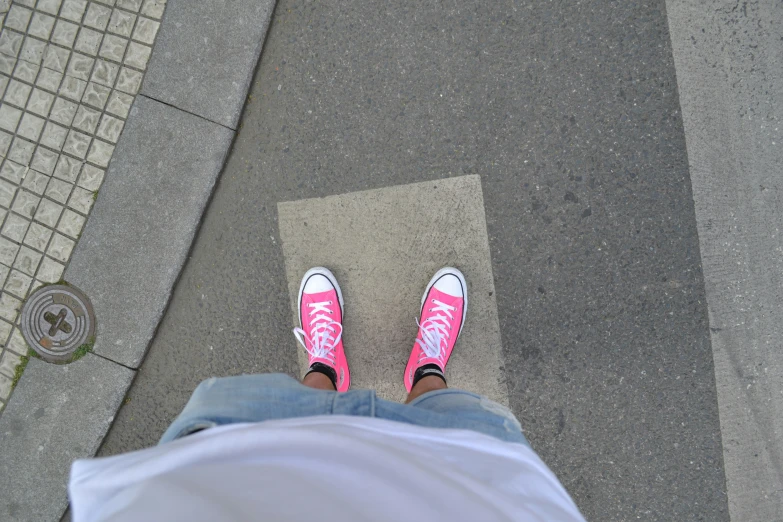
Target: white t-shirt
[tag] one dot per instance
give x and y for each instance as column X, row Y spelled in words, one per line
column 325, row 469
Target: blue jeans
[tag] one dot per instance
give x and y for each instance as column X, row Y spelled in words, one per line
column 256, row 398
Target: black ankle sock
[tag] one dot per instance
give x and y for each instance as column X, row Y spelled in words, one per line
column 324, row 369
column 426, row 371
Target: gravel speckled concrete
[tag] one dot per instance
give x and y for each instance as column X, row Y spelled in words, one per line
column 569, row 113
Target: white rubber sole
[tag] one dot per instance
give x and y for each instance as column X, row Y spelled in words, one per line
column 319, row 270
column 440, row 273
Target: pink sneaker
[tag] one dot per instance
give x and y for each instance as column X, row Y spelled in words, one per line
column 443, row 309
column 321, row 317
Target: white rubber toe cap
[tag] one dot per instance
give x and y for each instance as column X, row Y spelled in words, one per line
column 316, row 284
column 450, row 284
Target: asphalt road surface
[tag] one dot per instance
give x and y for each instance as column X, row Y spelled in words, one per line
column 569, row 114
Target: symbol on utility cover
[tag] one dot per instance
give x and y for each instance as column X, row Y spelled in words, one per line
column 58, row 322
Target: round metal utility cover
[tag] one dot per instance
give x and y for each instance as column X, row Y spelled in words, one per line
column 56, row 320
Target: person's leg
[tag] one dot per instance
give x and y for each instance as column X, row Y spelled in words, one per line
column 430, row 402
column 248, row 398
column 425, row 385
column 442, row 316
column 321, row 319
column 456, row 409
column 255, row 398
column 319, row 381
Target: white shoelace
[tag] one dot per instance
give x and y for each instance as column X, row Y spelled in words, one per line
column 321, row 330
column 436, row 330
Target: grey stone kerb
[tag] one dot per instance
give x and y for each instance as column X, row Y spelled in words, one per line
column 141, row 228
column 135, row 244
column 205, row 59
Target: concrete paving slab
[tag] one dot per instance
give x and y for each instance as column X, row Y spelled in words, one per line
column 205, row 56
column 143, row 223
column 58, row 413
column 400, row 236
column 729, row 67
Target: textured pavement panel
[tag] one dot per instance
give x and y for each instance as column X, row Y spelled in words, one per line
column 729, row 66
column 151, row 203
column 400, row 236
column 204, row 60
column 59, row 413
column 568, row 111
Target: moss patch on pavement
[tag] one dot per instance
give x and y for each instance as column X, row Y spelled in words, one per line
column 19, row 370
column 81, row 351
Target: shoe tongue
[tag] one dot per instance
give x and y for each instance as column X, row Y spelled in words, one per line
column 322, row 324
column 323, row 297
